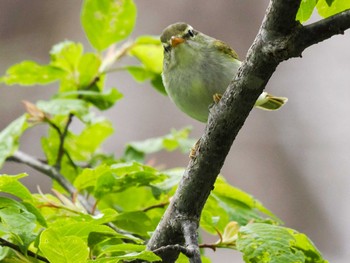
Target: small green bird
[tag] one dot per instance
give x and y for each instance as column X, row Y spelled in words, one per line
column 198, row 68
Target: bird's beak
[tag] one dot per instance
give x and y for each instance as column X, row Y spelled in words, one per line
column 176, row 41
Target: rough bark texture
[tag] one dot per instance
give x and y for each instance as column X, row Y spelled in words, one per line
column 280, row 38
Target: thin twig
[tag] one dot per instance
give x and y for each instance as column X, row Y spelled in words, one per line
column 50, row 171
column 63, row 136
column 160, row 205
column 6, row 243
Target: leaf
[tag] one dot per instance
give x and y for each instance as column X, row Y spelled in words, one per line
column 64, row 107
column 230, row 234
column 124, row 176
column 268, row 243
column 149, row 51
column 126, row 247
column 240, row 206
column 107, row 21
column 305, row 10
column 28, row 73
column 82, row 147
column 140, row 73
column 88, row 69
column 17, row 221
column 10, row 184
column 136, row 222
column 63, row 249
column 102, row 101
column 66, row 56
column 170, row 142
column 144, row 255
column 9, row 137
column 326, row 8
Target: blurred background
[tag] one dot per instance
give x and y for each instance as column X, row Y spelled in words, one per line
column 296, row 161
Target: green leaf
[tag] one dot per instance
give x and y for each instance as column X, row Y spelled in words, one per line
column 140, row 73
column 107, row 21
column 176, row 140
column 126, row 175
column 28, row 73
column 268, row 243
column 64, row 107
column 136, row 222
column 17, row 221
column 9, row 137
column 149, row 51
column 157, row 83
column 10, row 184
column 305, row 10
column 126, row 247
column 102, row 101
column 82, row 147
column 66, row 56
column 144, row 255
column 326, row 8
column 63, row 249
column 227, row 203
column 88, row 68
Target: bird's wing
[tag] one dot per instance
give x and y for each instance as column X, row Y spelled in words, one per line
column 226, row 49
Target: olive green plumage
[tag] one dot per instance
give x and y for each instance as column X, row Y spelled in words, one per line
column 196, row 67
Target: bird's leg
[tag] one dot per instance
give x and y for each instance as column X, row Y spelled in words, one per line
column 217, row 97
column 194, row 149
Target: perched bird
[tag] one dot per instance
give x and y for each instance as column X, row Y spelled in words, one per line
column 198, row 68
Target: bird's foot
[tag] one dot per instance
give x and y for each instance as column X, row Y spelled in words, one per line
column 217, row 97
column 194, row 149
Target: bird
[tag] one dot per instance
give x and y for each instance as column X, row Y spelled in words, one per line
column 197, row 70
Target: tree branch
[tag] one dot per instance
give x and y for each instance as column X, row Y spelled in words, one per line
column 274, row 43
column 50, row 171
column 62, row 136
column 5, row 243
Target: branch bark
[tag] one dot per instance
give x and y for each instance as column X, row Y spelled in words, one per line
column 280, row 38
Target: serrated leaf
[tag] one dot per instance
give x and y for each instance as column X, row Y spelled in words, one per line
column 326, row 8
column 28, row 73
column 268, row 243
column 9, row 137
column 10, row 184
column 63, row 249
column 305, row 10
column 107, row 21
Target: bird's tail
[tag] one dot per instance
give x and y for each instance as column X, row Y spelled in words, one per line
column 269, row 102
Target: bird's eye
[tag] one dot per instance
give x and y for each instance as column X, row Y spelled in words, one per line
column 190, row 32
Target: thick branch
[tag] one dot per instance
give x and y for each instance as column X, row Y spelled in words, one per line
column 274, row 43
column 50, row 171
column 321, row 30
